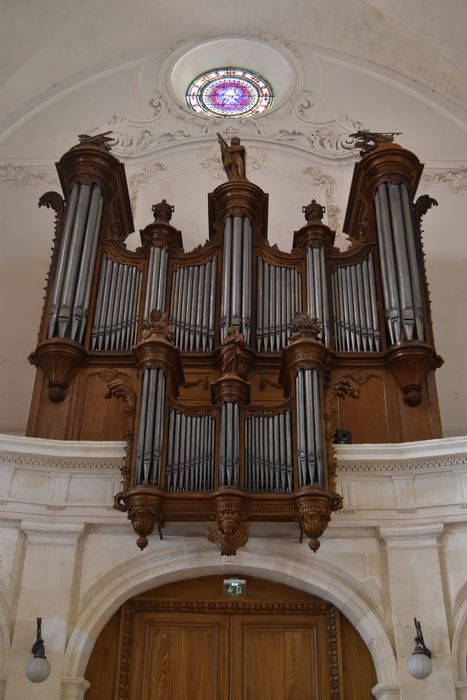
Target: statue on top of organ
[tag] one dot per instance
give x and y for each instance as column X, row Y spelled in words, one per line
column 233, row 362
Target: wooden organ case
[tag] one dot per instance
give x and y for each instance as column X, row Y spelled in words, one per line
column 235, row 363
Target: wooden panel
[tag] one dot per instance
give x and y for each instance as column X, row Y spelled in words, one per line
column 188, row 640
column 279, row 658
column 177, row 656
column 102, row 666
column 358, row 671
column 374, row 417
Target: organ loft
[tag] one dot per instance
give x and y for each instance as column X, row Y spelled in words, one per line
column 228, row 369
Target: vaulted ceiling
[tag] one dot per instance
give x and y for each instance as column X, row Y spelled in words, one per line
column 68, row 68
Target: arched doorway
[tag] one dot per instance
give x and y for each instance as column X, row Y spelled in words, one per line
column 189, row 640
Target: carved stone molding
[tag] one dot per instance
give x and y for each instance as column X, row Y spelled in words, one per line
column 58, row 357
column 228, row 531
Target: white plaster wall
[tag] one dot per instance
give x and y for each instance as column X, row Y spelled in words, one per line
column 67, row 556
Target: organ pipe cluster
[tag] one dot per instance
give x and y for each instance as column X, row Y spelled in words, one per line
column 402, row 291
column 69, row 306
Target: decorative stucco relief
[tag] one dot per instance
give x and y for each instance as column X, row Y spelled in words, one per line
column 454, row 178
column 20, row 175
column 138, row 180
column 328, row 184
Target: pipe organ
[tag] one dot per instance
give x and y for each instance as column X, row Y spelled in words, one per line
column 235, row 363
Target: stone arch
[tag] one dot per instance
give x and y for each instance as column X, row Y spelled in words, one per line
column 176, row 563
column 459, row 640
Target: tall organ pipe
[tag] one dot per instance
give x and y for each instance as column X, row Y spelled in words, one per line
column 236, row 276
column 399, row 266
column 76, row 261
column 309, row 430
column 150, row 433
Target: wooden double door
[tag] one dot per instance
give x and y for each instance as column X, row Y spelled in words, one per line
column 189, row 642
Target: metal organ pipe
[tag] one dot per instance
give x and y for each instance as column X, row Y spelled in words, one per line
column 117, row 304
column 399, row 265
column 355, row 307
column 229, row 472
column 309, row 436
column 268, row 453
column 76, row 261
column 192, row 306
column 236, row 276
column 278, row 300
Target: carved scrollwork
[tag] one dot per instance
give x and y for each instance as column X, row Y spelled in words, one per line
column 119, row 385
column 345, row 386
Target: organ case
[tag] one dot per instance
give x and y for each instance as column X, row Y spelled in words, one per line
column 233, row 361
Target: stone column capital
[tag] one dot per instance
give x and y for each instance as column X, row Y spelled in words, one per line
column 412, row 537
column 43, row 533
column 382, row 691
column 74, row 688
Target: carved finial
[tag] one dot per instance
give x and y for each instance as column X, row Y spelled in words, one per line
column 313, row 211
column 163, row 211
column 232, row 346
column 233, row 158
column 158, row 324
column 304, row 325
column 102, row 140
column 367, row 140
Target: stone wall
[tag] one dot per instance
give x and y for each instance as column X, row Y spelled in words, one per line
column 397, row 550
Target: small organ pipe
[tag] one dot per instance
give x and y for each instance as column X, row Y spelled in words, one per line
column 98, row 308
column 393, row 312
column 272, row 306
column 266, row 326
column 310, row 427
column 158, row 428
column 301, row 431
column 361, row 306
column 206, row 306
column 149, row 425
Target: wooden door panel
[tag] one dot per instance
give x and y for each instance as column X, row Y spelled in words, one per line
column 279, row 658
column 179, row 656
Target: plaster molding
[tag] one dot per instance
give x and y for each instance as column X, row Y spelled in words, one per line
column 139, row 180
column 386, row 692
column 40, row 533
column 74, row 688
column 454, row 178
column 70, row 451
column 328, row 183
column 414, row 537
column 21, row 175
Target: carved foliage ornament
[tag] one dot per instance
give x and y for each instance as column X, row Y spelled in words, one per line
column 119, row 386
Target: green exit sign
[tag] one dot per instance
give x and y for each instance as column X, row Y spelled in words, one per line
column 234, row 586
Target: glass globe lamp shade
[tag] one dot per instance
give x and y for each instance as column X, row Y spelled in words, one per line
column 38, row 669
column 419, row 665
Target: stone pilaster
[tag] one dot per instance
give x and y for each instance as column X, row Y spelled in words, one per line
column 416, row 590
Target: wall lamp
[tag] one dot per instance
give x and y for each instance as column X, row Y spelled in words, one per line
column 419, row 664
column 38, row 668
